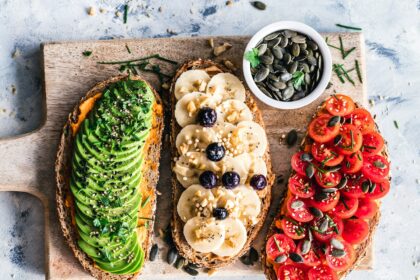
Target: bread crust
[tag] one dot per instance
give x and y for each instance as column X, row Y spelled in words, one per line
column 209, row 260
column 360, row 249
column 64, row 198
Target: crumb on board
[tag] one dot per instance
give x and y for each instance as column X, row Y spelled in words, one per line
column 91, row 11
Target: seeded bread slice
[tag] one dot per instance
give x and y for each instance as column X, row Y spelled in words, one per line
column 64, row 198
column 210, row 260
column 360, row 249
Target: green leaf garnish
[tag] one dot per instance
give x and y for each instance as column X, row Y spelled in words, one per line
column 252, row 57
column 298, row 79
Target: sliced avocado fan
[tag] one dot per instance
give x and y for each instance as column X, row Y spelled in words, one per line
column 106, row 176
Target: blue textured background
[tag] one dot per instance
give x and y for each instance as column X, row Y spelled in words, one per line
column 392, row 33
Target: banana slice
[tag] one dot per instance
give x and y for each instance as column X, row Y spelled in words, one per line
column 233, row 111
column 195, row 201
column 235, row 238
column 246, row 165
column 190, row 81
column 204, row 234
column 186, row 109
column 194, row 138
column 249, row 205
column 189, row 166
column 225, row 198
column 249, row 137
column 227, row 86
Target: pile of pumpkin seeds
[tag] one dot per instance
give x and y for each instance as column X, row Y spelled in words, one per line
column 289, row 65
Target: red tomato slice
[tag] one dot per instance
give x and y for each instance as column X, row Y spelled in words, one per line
column 353, row 187
column 311, row 258
column 298, row 164
column 375, row 168
column 346, row 207
column 352, row 163
column 380, row 190
column 326, row 204
column 291, row 272
column 301, row 186
column 321, row 272
column 341, row 263
column 362, row 119
column 355, row 231
column 328, row 179
column 279, row 244
column 335, row 228
column 373, row 143
column 301, row 214
column 320, row 131
column 339, row 105
column 367, row 209
column 326, row 154
column 351, row 139
column 292, row 228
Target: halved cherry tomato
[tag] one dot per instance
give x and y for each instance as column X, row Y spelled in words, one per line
column 375, row 168
column 312, row 257
column 320, row 131
column 381, row 189
column 339, row 105
column 341, row 263
column 321, row 272
column 298, row 164
column 327, row 179
column 335, row 228
column 353, row 187
column 291, row 272
column 301, row 214
column 326, row 204
column 362, row 119
column 301, row 186
column 346, row 207
column 352, row 163
column 372, row 143
column 367, row 209
column 351, row 139
column 355, row 231
column 292, row 228
column 279, row 244
column 326, row 154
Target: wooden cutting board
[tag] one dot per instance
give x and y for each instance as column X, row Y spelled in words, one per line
column 27, row 161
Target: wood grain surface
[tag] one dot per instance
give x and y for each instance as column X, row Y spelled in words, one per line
column 27, row 161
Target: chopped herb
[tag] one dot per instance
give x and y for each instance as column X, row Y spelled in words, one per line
column 349, row 52
column 87, row 53
column 396, row 124
column 348, row 27
column 359, row 156
column 145, row 218
column 346, row 73
column 345, row 204
column 105, row 254
column 128, row 49
column 298, row 78
column 334, row 47
column 327, row 159
column 337, row 71
column 369, row 147
column 145, row 202
column 341, row 46
column 277, row 244
column 252, row 57
column 359, row 74
column 125, row 13
column 352, row 139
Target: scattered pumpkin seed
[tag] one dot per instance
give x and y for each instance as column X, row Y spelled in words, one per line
column 172, row 255
column 316, row 212
column 337, row 244
column 320, row 196
column 295, row 257
column 153, row 252
column 306, row 157
column 328, row 190
column 365, row 186
column 338, row 253
column 342, row 184
column 191, row 271
column 245, row 259
column 372, row 187
column 337, row 139
column 280, row 259
column 253, row 255
column 310, row 171
column 297, row 204
column 259, row 5
column 306, row 247
column 323, row 226
column 291, row 137
column 333, row 121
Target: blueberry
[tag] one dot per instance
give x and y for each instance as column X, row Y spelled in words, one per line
column 220, row 213
column 215, row 152
column 208, row 179
column 230, row 179
column 207, row 116
column 258, row 182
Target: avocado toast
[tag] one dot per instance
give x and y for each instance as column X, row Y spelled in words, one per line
column 106, row 170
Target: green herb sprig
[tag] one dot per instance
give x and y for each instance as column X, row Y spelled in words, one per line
column 252, row 57
column 348, row 27
column 298, row 79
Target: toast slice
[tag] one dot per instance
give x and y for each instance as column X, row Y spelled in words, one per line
column 210, row 260
column 149, row 171
column 360, row 249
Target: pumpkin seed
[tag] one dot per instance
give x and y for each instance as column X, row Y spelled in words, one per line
column 310, row 171
column 320, row 196
column 262, row 49
column 287, row 58
column 316, row 212
column 337, row 244
column 291, row 137
column 259, row 5
column 337, row 139
column 307, row 79
column 279, row 85
column 288, row 93
column 305, row 68
column 312, row 45
column 273, row 43
column 180, row 262
column 279, row 67
column 333, row 121
column 306, row 157
column 328, row 190
column 172, row 255
column 272, row 87
column 298, row 95
column 245, row 260
column 284, row 42
column 297, row 204
column 323, row 226
column 285, row 77
column 303, row 46
column 273, row 78
column 295, row 50
column 372, row 187
column 253, row 255
column 342, row 184
column 280, row 259
column 277, row 52
column 271, row 36
column 261, row 74
column 153, row 252
column 299, row 39
column 365, row 186
column 289, row 33
column 311, row 60
column 293, row 67
column 191, row 271
column 334, row 168
column 310, row 236
column 338, row 253
column 306, row 247
column 295, row 257
column 267, row 59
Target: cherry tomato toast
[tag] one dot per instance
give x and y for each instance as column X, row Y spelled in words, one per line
column 332, row 204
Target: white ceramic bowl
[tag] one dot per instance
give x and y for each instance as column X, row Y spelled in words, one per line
column 326, row 57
